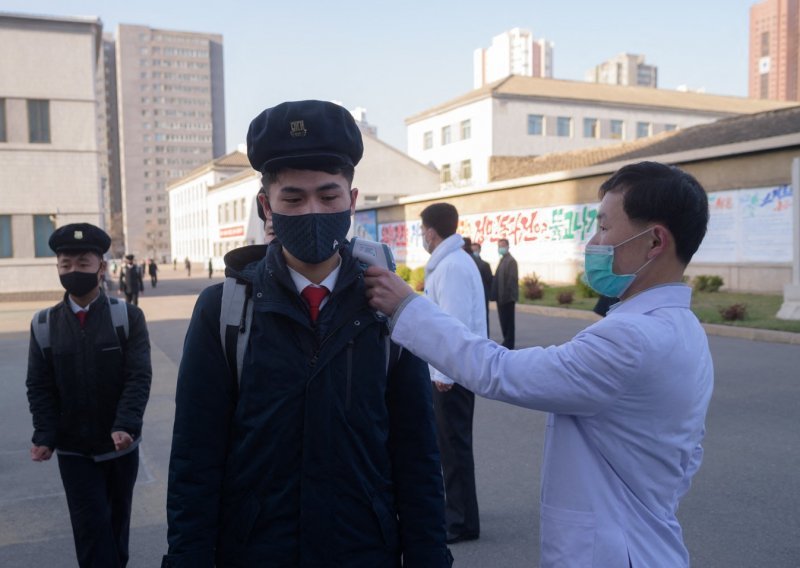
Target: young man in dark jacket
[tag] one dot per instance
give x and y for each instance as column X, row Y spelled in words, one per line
column 88, row 385
column 130, row 281
column 324, row 452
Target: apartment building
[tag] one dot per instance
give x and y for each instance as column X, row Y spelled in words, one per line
column 514, row 52
column 527, row 116
column 624, row 69
column 774, row 60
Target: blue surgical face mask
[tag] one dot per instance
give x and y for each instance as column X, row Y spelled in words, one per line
column 312, row 238
column 599, row 274
column 502, row 251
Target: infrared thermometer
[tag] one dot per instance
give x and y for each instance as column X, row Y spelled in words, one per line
column 371, row 253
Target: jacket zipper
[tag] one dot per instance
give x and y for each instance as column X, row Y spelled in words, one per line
column 349, row 383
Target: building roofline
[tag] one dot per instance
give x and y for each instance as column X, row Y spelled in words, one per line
column 234, row 179
column 683, row 157
column 217, row 164
column 546, row 89
column 90, row 20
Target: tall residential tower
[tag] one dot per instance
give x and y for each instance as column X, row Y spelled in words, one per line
column 514, row 52
column 171, row 120
column 774, row 62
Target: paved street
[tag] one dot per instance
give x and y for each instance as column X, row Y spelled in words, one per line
column 741, row 512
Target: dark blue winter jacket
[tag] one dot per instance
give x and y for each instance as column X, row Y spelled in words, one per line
column 321, row 459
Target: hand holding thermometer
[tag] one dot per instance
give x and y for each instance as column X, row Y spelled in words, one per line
column 371, row 253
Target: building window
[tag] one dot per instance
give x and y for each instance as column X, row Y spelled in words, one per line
column 670, row 127
column 43, row 227
column 446, row 177
column 446, row 135
column 617, row 130
column 764, row 87
column 6, row 249
column 427, row 140
column 564, row 126
column 466, row 169
column 764, row 44
column 535, row 124
column 39, row 121
column 642, row 129
column 590, row 128
column 3, row 120
column 466, row 129
column 242, row 208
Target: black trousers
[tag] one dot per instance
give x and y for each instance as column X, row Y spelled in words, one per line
column 505, row 313
column 153, row 280
column 99, row 496
column 454, row 410
column 132, row 298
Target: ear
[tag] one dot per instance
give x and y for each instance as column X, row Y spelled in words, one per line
column 353, row 198
column 264, row 202
column 660, row 241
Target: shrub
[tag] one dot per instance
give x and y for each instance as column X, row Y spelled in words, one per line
column 708, row 283
column 404, row 272
column 532, row 287
column 734, row 312
column 417, row 279
column 584, row 288
column 565, row 297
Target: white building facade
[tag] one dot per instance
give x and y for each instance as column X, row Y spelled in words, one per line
column 189, row 206
column 49, row 148
column 514, row 52
column 522, row 116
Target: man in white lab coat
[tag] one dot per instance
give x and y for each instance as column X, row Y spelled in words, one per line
column 628, row 395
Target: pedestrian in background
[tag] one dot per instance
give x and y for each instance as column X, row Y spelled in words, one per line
column 130, row 281
column 485, row 269
column 88, row 383
column 210, row 268
column 152, row 269
column 505, row 292
column 452, row 282
column 188, row 265
column 628, row 396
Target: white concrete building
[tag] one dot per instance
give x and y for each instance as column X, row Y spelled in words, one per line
column 526, row 116
column 189, row 206
column 49, row 149
column 213, row 210
column 624, row 69
column 514, row 52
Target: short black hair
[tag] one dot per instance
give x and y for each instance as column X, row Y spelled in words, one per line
column 441, row 217
column 655, row 192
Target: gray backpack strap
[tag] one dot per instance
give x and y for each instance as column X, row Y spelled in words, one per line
column 41, row 330
column 235, row 317
column 119, row 318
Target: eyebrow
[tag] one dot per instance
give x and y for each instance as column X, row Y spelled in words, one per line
column 324, row 187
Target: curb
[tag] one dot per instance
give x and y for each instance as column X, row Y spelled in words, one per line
column 751, row 333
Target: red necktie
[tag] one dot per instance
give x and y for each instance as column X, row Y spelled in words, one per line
column 81, row 315
column 314, row 296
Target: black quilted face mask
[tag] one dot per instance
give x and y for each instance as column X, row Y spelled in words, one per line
column 312, row 238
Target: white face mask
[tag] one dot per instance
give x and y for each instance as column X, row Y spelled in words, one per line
column 426, row 244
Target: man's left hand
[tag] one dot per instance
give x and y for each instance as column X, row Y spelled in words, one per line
column 122, row 440
column 443, row 387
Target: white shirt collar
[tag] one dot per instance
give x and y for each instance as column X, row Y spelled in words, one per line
column 76, row 308
column 301, row 281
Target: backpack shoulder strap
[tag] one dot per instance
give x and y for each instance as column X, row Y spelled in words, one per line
column 41, row 330
column 119, row 318
column 235, row 317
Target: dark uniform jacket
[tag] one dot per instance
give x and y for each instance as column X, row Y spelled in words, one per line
column 130, row 279
column 90, row 386
column 322, row 459
column 505, row 287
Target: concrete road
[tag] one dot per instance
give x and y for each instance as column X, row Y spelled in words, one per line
column 742, row 510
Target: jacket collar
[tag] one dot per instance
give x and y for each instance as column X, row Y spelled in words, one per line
column 672, row 295
column 449, row 245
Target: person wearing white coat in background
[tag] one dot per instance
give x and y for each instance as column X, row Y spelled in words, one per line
column 628, row 395
column 453, row 282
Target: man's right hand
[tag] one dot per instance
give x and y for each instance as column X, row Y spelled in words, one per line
column 41, row 453
column 385, row 289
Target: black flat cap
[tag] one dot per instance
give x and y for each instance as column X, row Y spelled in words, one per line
column 79, row 237
column 303, row 135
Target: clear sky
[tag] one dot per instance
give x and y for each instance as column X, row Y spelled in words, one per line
column 397, row 58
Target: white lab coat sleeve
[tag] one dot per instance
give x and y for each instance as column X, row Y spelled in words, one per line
column 581, row 377
column 452, row 292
